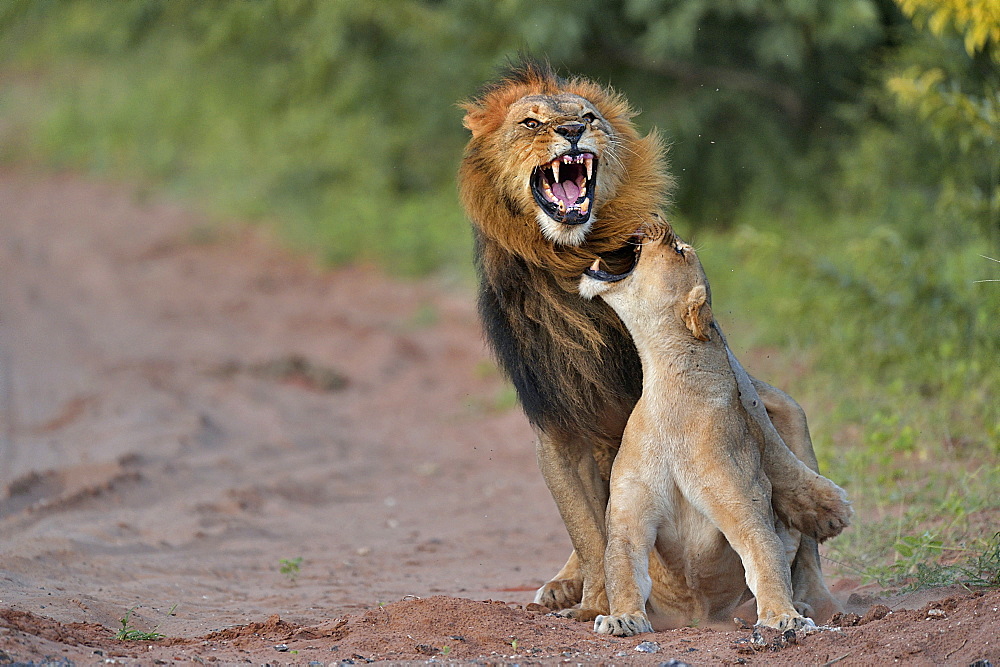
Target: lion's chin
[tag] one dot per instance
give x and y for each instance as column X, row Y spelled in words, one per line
column 561, row 233
column 563, row 189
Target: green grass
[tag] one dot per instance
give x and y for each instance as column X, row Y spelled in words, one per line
column 128, row 633
column 892, row 349
column 290, row 567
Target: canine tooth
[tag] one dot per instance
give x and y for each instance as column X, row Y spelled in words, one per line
column 555, row 170
column 583, row 191
column 585, row 206
column 596, row 266
column 589, row 162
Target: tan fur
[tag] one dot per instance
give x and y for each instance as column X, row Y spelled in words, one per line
column 571, row 360
column 701, row 468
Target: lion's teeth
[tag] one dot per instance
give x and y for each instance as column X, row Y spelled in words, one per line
column 555, row 170
column 585, row 206
column 596, row 266
column 590, row 167
column 583, row 191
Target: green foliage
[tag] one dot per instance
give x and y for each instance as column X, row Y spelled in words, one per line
column 128, row 633
column 290, row 567
column 339, row 116
column 916, row 566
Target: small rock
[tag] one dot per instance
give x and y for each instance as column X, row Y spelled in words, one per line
column 876, row 613
column 673, row 662
column 648, row 647
column 281, row 648
column 537, row 608
column 842, row 620
column 937, row 614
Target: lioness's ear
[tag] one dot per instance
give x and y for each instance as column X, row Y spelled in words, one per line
column 697, row 313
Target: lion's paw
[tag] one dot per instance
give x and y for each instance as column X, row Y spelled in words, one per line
column 560, row 593
column 580, row 613
column 623, row 625
column 820, row 510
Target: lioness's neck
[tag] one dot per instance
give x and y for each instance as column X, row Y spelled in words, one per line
column 672, row 357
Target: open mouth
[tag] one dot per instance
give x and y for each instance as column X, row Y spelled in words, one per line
column 564, row 188
column 619, row 263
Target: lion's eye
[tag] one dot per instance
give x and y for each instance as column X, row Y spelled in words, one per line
column 589, row 117
column 679, row 249
column 530, row 123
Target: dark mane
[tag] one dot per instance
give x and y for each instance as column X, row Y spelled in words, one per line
column 572, row 362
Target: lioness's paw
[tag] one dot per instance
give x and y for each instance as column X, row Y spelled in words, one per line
column 560, row 593
column 820, row 510
column 785, row 621
column 624, row 625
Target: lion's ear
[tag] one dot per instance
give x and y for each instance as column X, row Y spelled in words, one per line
column 476, row 119
column 697, row 312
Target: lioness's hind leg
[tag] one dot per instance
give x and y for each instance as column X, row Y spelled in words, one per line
column 809, row 591
column 811, row 596
column 803, row 499
column 789, row 421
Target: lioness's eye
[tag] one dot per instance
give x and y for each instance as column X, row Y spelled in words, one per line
column 589, row 117
column 530, row 123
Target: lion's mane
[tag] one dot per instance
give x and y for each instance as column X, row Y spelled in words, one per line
column 571, row 361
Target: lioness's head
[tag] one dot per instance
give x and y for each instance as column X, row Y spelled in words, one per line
column 558, row 154
column 666, row 284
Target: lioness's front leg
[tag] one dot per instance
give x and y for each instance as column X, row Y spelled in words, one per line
column 738, row 503
column 632, row 524
column 581, row 495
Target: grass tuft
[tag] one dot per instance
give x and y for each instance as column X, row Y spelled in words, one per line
column 128, row 633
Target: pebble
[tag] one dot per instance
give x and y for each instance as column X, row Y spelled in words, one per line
column 648, row 647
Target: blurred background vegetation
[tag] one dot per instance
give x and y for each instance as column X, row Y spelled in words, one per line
column 838, row 167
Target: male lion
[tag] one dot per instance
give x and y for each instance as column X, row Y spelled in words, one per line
column 554, row 176
column 692, row 476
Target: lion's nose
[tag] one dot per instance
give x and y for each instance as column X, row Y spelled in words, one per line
column 571, row 131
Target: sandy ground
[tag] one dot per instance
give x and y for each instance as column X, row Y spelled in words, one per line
column 185, row 410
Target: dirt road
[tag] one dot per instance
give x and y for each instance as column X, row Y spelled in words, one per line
column 271, row 463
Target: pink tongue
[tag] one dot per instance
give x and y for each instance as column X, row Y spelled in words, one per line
column 568, row 191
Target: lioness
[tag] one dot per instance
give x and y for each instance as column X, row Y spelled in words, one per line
column 555, row 175
column 693, row 475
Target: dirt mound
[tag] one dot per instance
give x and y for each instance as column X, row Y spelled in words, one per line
column 957, row 630
column 267, row 462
